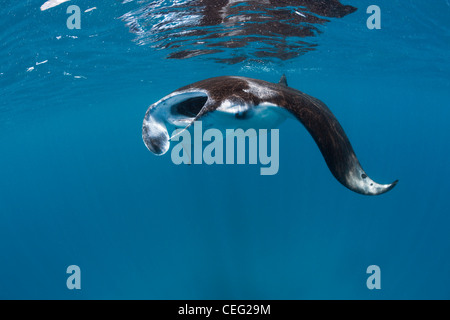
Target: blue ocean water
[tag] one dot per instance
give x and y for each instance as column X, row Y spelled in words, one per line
column 79, row 187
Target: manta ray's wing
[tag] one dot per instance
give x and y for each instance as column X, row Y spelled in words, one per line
column 332, row 142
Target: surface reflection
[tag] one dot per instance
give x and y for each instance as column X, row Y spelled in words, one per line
column 240, row 30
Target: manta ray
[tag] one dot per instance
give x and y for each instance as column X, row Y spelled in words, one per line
column 245, row 103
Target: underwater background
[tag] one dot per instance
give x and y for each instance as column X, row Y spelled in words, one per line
column 79, row 187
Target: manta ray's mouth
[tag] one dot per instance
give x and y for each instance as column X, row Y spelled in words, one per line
column 189, row 107
column 177, row 110
column 181, row 108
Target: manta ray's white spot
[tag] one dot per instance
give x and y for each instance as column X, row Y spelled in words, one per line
column 259, row 91
column 231, row 107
